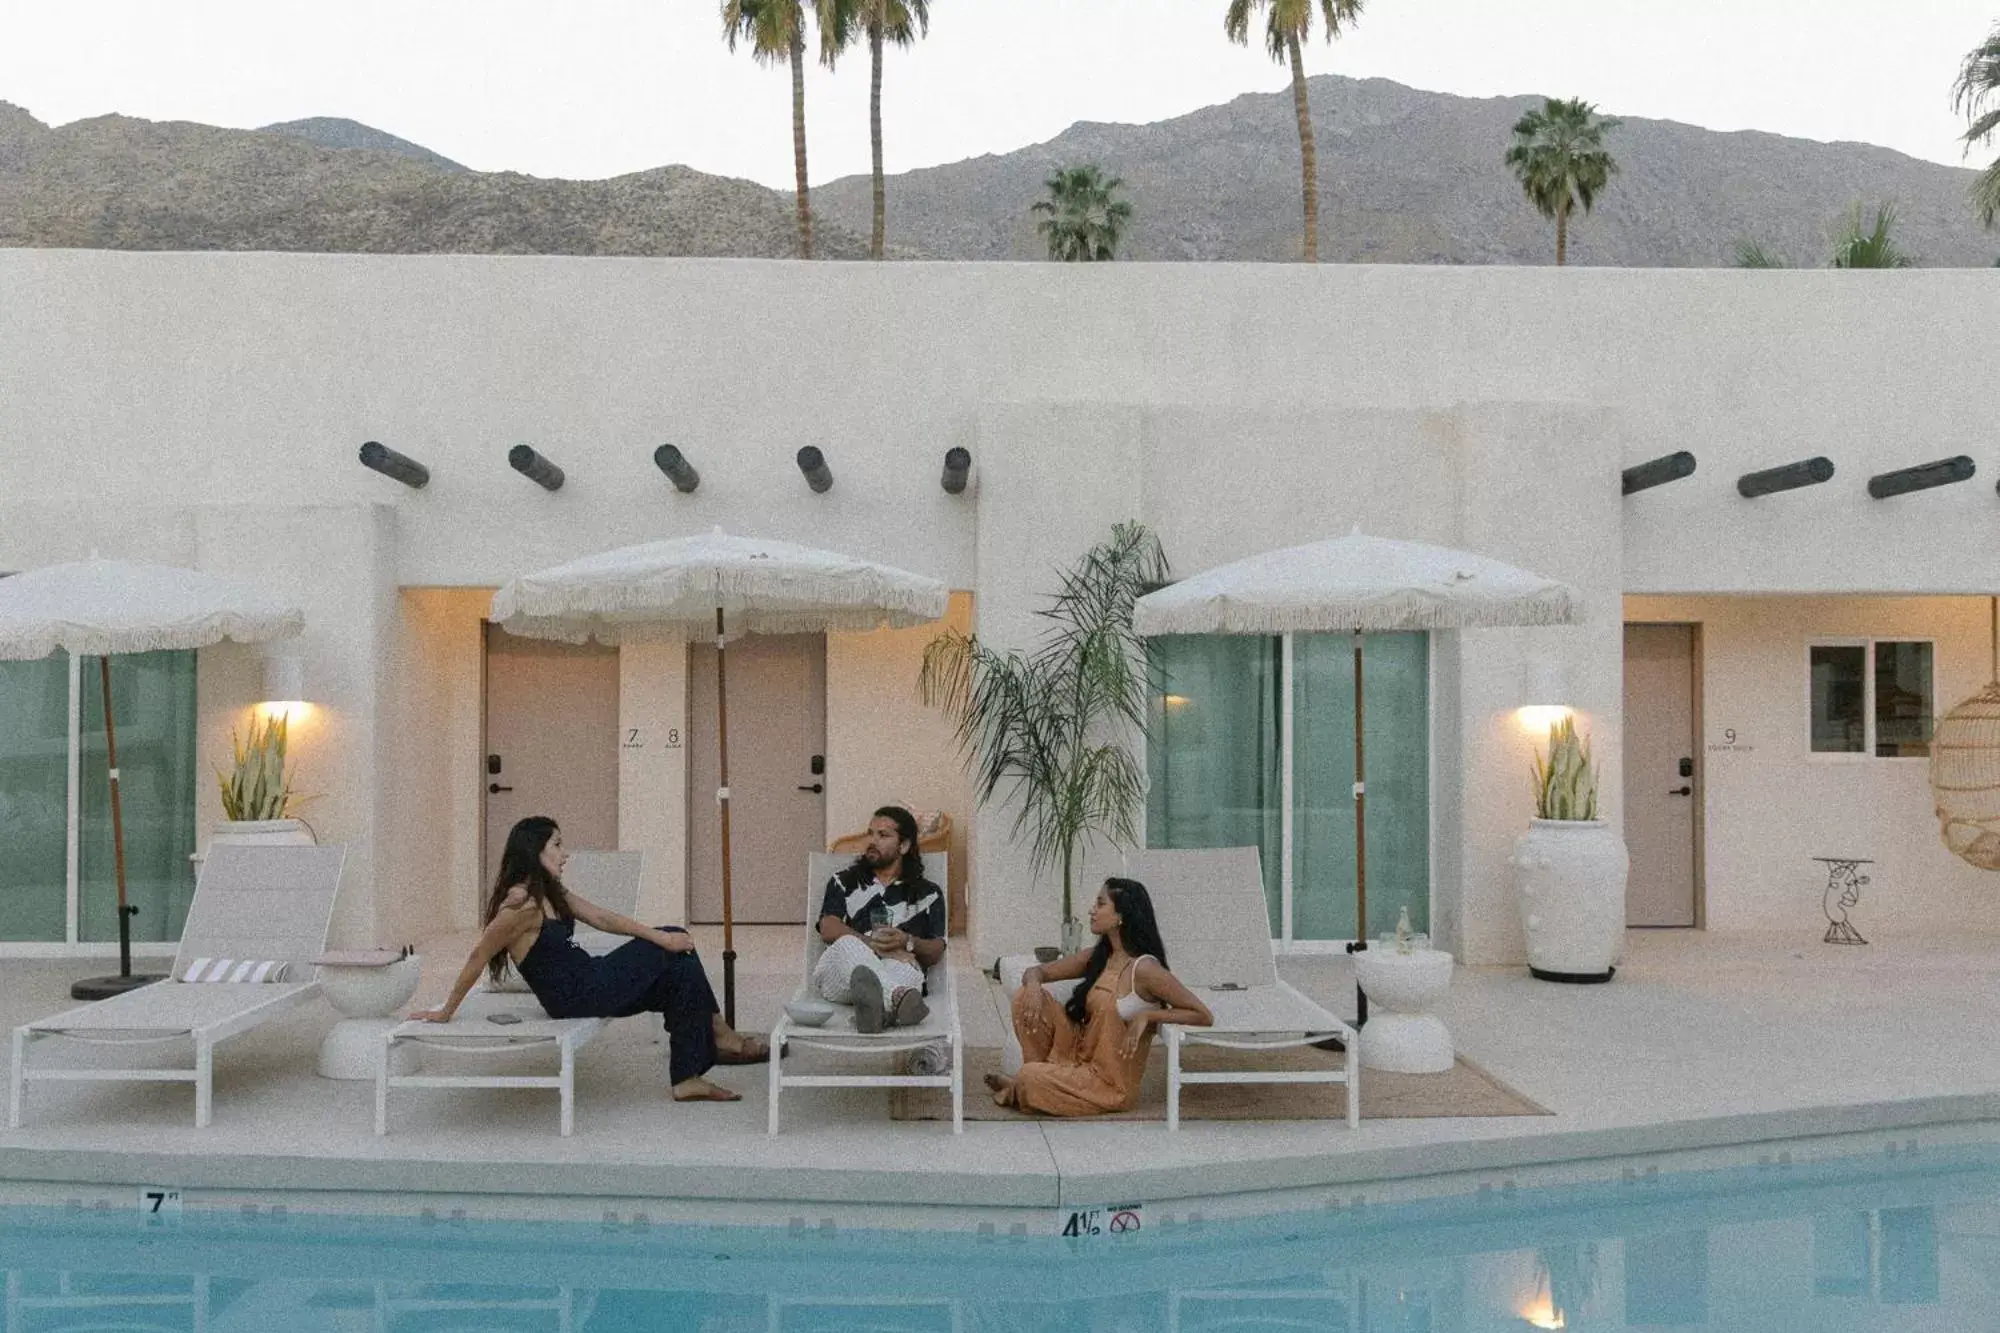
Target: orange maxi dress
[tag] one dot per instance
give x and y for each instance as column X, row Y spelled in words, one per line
column 1067, row 1070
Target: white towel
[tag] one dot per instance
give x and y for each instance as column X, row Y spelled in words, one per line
column 235, row 970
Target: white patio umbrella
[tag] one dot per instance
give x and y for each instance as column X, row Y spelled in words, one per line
column 727, row 586
column 1356, row 584
column 99, row 608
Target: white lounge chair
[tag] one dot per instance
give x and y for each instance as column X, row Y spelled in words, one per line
column 250, row 903
column 839, row 1035
column 1210, row 906
column 608, row 879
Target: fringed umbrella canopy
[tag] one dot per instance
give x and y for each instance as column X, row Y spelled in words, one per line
column 668, row 589
column 95, row 608
column 1373, row 584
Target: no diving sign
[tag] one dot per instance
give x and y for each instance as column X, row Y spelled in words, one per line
column 1117, row 1219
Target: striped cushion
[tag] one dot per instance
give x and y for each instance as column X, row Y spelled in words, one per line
column 235, row 970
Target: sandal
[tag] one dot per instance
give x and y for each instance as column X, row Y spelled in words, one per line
column 709, row 1093
column 753, row 1051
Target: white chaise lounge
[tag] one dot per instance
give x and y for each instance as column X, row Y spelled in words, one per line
column 608, row 879
column 250, row 903
column 838, row 1035
column 1210, row 906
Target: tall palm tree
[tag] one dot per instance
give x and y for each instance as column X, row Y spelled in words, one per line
column 776, row 33
column 1559, row 157
column 1977, row 94
column 1082, row 219
column 1287, row 25
column 880, row 22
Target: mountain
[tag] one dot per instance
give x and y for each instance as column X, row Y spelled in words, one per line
column 1416, row 177
column 1406, row 177
column 335, row 132
column 114, row 182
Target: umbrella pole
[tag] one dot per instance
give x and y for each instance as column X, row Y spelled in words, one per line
column 100, row 987
column 722, row 803
column 1360, row 835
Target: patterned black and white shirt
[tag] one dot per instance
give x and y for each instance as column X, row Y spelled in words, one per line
column 916, row 906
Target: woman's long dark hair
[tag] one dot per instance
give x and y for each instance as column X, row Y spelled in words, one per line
column 1138, row 930
column 521, row 863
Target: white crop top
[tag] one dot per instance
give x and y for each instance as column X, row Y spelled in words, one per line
column 1131, row 1003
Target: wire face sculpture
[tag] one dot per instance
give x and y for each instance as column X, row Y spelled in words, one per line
column 1843, row 892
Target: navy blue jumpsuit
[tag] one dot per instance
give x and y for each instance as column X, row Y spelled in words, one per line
column 638, row 977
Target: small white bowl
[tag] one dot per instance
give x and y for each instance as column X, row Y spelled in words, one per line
column 809, row 1013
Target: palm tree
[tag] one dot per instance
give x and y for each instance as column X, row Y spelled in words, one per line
column 1559, row 157
column 1046, row 725
column 1871, row 247
column 776, row 33
column 881, row 22
column 1287, row 25
column 1857, row 246
column 1977, row 94
column 1081, row 219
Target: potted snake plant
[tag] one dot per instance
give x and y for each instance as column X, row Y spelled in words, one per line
column 1570, row 868
column 258, row 802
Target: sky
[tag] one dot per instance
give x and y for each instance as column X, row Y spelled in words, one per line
column 594, row 88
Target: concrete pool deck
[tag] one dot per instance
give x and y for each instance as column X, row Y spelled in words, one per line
column 1703, row 1042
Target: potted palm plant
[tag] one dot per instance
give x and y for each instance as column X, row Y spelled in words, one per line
column 1050, row 726
column 257, row 796
column 1570, row 868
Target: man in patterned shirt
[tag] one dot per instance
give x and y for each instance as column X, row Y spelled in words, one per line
column 883, row 924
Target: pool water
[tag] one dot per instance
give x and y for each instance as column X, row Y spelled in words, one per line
column 1907, row 1243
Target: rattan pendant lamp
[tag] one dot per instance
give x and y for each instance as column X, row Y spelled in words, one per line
column 1965, row 769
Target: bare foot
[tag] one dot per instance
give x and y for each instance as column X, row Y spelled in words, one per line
column 701, row 1090
column 1003, row 1089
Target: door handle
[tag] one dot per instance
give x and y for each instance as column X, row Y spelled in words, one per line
column 816, row 788
column 1681, row 791
column 494, row 789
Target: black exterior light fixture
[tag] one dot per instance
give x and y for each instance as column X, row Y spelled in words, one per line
column 680, row 472
column 818, row 475
column 1658, row 471
column 535, row 468
column 381, row 458
column 1922, row 477
column 957, row 469
column 1807, row 472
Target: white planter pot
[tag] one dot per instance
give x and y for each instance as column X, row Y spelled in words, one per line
column 1570, row 875
column 255, row 833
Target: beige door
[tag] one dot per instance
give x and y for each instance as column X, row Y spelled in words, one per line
column 1662, row 775
column 777, row 728
column 551, row 740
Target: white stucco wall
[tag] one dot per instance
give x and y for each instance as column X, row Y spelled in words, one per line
column 1771, row 805
column 1233, row 406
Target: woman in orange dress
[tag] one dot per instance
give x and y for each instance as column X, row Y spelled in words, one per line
column 1086, row 1057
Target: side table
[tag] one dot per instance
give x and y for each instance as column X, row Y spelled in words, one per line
column 368, row 987
column 1401, row 1035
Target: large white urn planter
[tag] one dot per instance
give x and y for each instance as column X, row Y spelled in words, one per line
column 1570, row 875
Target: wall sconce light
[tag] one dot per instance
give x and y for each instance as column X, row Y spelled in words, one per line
column 381, row 458
column 1545, row 687
column 680, row 472
column 818, row 475
column 1174, row 702
column 957, row 468
column 535, row 468
column 284, row 686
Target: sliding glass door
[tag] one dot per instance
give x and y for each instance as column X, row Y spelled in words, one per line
column 61, row 879
column 1252, row 744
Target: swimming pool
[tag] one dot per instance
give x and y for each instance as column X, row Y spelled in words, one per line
column 1910, row 1242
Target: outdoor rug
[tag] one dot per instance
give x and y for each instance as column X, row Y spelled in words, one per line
column 1464, row 1090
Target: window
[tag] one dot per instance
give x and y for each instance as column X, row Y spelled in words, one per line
column 1252, row 744
column 1872, row 697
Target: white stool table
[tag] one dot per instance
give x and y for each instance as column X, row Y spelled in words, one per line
column 1401, row 1035
column 368, row 987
